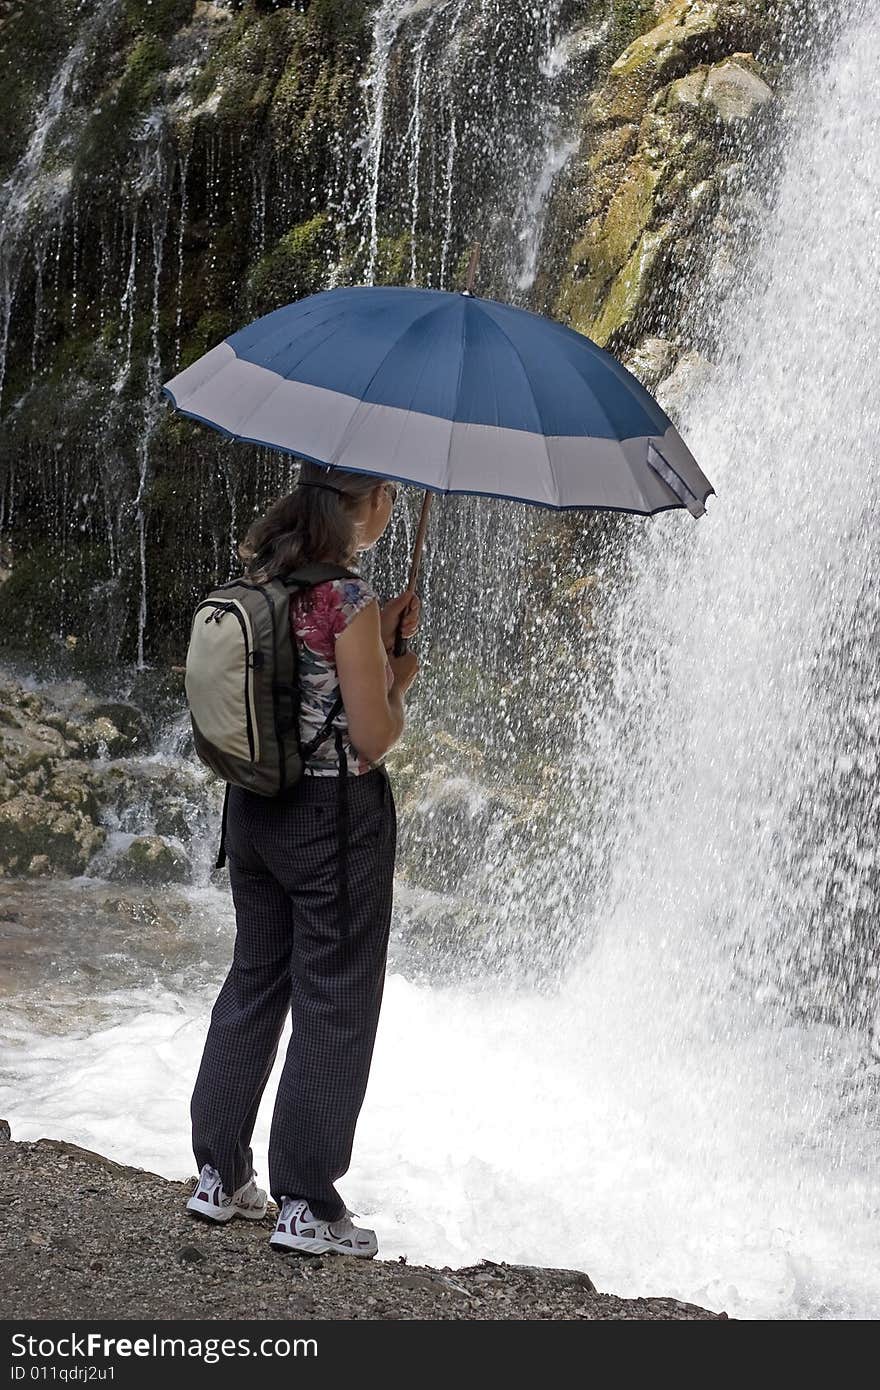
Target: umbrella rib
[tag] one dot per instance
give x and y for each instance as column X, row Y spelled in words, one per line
column 585, row 386
column 433, row 309
column 358, row 400
column 455, row 400
column 542, row 436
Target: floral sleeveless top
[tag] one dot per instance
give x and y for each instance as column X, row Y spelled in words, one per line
column 317, row 617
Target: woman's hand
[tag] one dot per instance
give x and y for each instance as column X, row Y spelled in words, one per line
column 405, row 668
column 407, row 603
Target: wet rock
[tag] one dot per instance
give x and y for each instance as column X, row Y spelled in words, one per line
column 28, row 746
column 685, row 93
column 35, row 829
column 652, row 360
column 135, row 1227
column 632, row 286
column 687, row 32
column 658, row 132
column 169, row 800
column 71, row 784
column 150, row 859
column 111, row 731
column 735, row 89
column 132, row 725
column 690, row 375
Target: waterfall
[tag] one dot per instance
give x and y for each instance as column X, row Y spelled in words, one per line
column 739, row 751
column 630, row 1023
column 720, row 1087
column 36, row 193
column 466, row 126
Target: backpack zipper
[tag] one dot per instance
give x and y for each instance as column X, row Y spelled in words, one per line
column 233, row 607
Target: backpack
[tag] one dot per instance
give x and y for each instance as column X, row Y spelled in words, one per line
column 242, row 684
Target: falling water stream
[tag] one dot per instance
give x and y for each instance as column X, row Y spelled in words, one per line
column 692, row 1106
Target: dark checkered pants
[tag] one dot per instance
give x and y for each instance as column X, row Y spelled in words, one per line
column 289, row 955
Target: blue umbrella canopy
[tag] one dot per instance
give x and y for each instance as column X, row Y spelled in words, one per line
column 451, row 392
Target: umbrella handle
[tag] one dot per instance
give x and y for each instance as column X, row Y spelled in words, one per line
column 399, row 639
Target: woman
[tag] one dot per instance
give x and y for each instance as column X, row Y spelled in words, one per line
column 292, row 949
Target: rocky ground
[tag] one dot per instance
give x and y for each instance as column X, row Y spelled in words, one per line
column 84, row 1237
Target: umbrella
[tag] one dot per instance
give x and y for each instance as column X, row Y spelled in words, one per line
column 448, row 391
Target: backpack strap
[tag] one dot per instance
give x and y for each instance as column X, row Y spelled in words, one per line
column 315, row 742
column 221, row 851
column 342, row 832
column 304, row 578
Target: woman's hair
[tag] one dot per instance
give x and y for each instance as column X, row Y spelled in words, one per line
column 309, row 524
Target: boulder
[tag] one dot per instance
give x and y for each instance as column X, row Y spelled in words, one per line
column 687, row 33
column 691, row 373
column 150, row 859
column 735, row 90
column 39, row 836
column 652, row 360
column 70, row 783
column 29, row 746
column 110, row 730
column 631, row 287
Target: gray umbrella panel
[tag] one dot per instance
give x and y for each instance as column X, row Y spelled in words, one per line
column 646, row 474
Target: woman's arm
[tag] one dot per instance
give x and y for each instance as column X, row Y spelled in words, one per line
column 375, row 713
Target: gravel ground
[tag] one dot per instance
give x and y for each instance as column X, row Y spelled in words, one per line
column 85, row 1237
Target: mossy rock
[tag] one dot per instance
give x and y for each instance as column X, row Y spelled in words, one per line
column 102, row 149
column 297, row 265
column 101, row 737
column 160, row 18
column 71, row 785
column 689, row 32
column 31, row 746
column 629, row 214
column 631, row 288
column 131, row 725
column 150, row 859
column 605, row 250
column 735, row 89
column 39, row 836
column 50, row 593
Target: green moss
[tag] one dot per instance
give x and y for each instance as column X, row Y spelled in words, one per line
column 211, row 328
column 158, row 17
column 628, row 19
column 247, row 67
column 630, row 291
column 629, row 213
column 48, row 593
column 33, row 38
column 393, row 259
column 117, row 112
column 296, row 266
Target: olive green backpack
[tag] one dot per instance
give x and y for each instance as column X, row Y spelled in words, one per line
column 242, row 683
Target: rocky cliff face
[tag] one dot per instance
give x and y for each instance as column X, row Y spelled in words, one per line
column 176, row 168
column 662, row 173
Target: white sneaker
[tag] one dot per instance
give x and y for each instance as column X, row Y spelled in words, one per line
column 210, row 1201
column 298, row 1229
